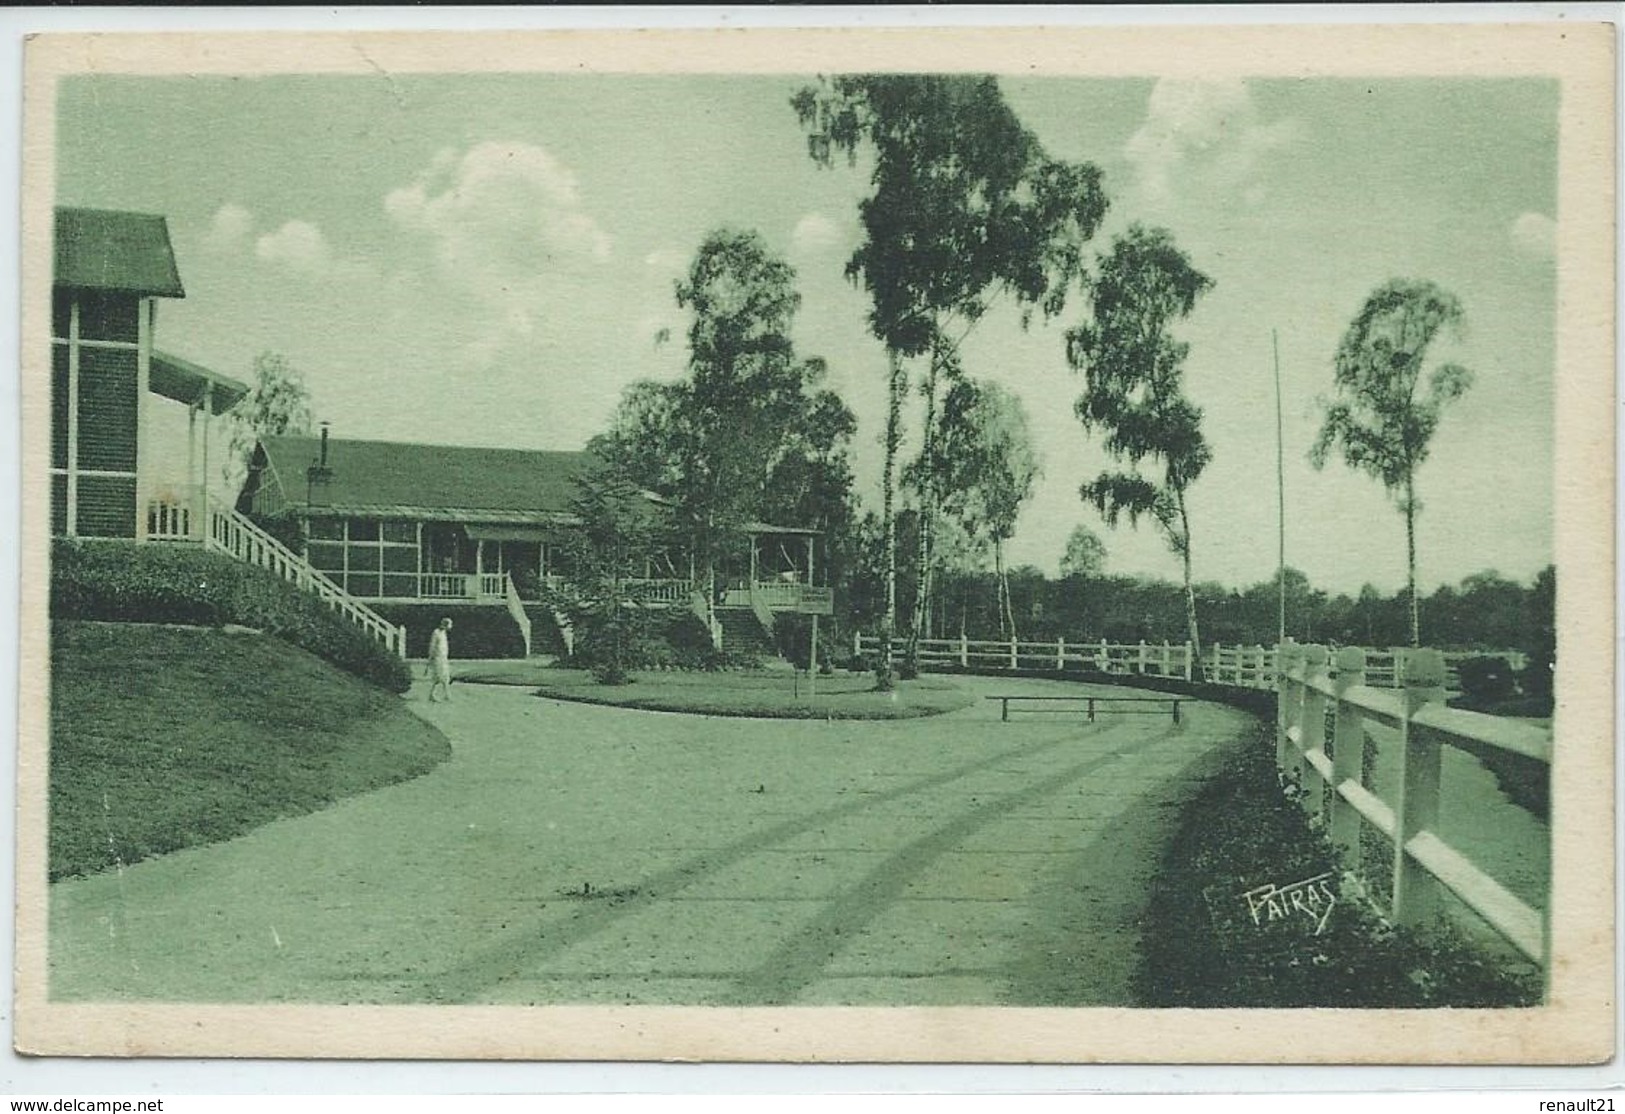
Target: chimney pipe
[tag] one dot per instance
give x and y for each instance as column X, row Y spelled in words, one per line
column 318, row 475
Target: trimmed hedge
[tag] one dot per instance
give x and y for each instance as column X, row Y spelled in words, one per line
column 116, row 581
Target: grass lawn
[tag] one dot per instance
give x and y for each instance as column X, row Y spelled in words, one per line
column 765, row 695
column 168, row 737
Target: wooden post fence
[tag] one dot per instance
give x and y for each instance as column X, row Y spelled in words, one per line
column 1348, row 751
column 1313, row 775
column 1415, row 895
column 1418, row 723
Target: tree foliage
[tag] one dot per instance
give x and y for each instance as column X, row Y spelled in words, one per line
column 278, row 403
column 965, row 206
column 1085, row 553
column 1386, row 409
column 750, row 433
column 620, row 533
column 966, row 202
column 984, row 465
column 1134, row 388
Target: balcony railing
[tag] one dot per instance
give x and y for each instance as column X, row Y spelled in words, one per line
column 173, row 520
column 776, row 595
column 492, row 587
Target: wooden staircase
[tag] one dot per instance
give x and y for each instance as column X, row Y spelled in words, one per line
column 234, row 535
column 743, row 633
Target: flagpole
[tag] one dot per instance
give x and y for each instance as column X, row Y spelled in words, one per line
column 1280, row 491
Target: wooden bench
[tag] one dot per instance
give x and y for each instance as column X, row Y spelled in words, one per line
column 1163, row 704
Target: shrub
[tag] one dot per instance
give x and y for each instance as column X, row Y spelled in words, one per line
column 477, row 632
column 124, row 582
column 667, row 640
column 1485, row 680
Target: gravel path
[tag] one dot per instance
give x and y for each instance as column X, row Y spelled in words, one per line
column 570, row 853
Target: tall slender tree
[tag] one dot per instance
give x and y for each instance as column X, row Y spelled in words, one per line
column 986, row 466
column 966, row 205
column 1134, row 390
column 1385, row 410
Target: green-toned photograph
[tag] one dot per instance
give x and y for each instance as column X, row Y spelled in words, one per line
column 811, row 539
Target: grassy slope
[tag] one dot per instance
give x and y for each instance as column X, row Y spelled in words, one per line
column 163, row 738
column 770, row 695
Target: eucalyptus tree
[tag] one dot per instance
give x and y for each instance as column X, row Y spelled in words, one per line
column 985, row 466
column 750, row 432
column 965, row 206
column 1386, row 410
column 1134, row 390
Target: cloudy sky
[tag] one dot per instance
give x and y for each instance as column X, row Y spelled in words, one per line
column 489, row 260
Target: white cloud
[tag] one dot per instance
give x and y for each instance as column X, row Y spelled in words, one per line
column 298, row 244
column 814, row 233
column 229, row 228
column 665, row 259
column 1206, row 129
column 1535, row 235
column 501, row 217
column 507, row 202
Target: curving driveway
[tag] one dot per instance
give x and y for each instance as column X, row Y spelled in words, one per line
column 570, row 853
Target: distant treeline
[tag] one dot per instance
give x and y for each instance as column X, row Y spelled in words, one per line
column 1485, row 612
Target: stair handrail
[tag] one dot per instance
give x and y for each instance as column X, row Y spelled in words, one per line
column 758, row 604
column 700, row 605
column 236, row 535
column 516, row 608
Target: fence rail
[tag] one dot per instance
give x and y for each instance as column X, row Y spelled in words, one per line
column 1164, row 660
column 1242, row 666
column 1315, row 688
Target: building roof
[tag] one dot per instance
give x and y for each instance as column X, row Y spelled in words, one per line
column 103, row 249
column 184, row 381
column 402, row 479
column 438, row 483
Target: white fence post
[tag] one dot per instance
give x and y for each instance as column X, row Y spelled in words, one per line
column 1218, row 663
column 1415, row 891
column 1312, row 726
column 964, row 651
column 1105, row 656
column 1166, row 667
column 1348, row 751
column 1060, row 653
column 1287, row 705
column 1142, row 656
column 1187, row 660
column 1012, row 651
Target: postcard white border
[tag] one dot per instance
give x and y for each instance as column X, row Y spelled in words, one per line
column 1579, row 1022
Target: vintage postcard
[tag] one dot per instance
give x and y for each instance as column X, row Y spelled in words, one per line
column 1054, row 545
